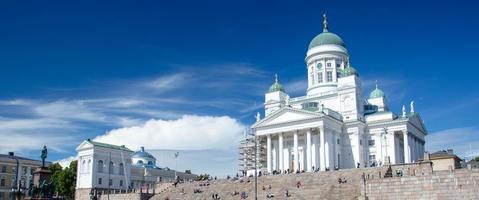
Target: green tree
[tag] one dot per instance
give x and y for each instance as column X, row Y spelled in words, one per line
column 55, row 167
column 203, row 177
column 476, row 158
column 65, row 180
column 188, row 171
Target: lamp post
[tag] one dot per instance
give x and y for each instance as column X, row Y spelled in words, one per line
column 15, row 188
column 109, row 176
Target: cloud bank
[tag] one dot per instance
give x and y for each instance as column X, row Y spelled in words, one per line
column 464, row 141
column 190, row 132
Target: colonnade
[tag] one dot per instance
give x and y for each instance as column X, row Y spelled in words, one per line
column 318, row 149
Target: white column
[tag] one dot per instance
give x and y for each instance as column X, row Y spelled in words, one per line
column 407, row 157
column 27, row 183
column 414, row 145
column 327, row 150
column 308, row 150
column 314, row 146
column 335, row 79
column 295, row 151
column 280, row 141
column 322, row 159
column 268, row 153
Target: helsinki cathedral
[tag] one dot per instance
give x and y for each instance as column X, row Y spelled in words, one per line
column 332, row 126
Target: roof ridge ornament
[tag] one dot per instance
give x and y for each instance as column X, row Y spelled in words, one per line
column 325, row 23
column 276, row 78
column 376, row 82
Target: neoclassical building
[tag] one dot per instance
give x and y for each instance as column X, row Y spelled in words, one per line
column 103, row 167
column 332, row 125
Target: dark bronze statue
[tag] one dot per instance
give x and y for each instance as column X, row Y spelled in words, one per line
column 44, row 155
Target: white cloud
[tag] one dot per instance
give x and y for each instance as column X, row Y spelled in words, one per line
column 168, row 82
column 68, row 110
column 8, row 124
column 66, row 161
column 189, row 132
column 25, row 142
column 458, row 139
column 16, row 102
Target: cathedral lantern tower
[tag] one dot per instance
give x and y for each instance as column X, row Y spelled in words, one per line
column 275, row 98
column 327, row 56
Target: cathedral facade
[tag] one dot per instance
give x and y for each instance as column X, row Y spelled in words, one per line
column 332, row 126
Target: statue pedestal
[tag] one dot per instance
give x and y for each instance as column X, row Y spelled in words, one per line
column 41, row 174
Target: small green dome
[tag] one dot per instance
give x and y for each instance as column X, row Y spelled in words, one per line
column 348, row 71
column 376, row 93
column 326, row 38
column 276, row 86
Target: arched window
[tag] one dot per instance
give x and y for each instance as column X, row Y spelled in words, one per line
column 150, row 163
column 100, row 166
column 110, row 167
column 140, row 162
column 121, row 169
column 88, row 167
column 83, row 167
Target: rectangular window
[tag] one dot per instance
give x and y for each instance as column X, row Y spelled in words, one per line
column 338, row 65
column 338, row 141
column 371, row 142
column 328, row 64
column 329, row 76
column 338, row 75
column 360, row 142
column 99, row 181
column 4, row 169
column 372, row 157
column 121, row 183
column 110, row 182
column 320, row 77
column 2, row 182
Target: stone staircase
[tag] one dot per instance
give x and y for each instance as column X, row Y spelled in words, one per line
column 319, row 185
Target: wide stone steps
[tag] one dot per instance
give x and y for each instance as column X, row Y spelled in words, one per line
column 320, row 185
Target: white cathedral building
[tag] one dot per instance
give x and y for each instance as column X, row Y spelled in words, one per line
column 332, row 126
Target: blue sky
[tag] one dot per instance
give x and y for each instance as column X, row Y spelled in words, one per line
column 71, row 71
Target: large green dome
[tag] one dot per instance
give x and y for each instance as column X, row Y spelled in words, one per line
column 276, row 86
column 326, row 38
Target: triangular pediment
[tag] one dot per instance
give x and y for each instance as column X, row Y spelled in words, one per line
column 418, row 123
column 84, row 145
column 285, row 115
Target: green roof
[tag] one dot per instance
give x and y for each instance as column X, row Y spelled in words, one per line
column 348, row 71
column 110, row 146
column 276, row 86
column 326, row 37
column 376, row 93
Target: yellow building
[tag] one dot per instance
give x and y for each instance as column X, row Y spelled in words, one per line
column 14, row 168
column 445, row 160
